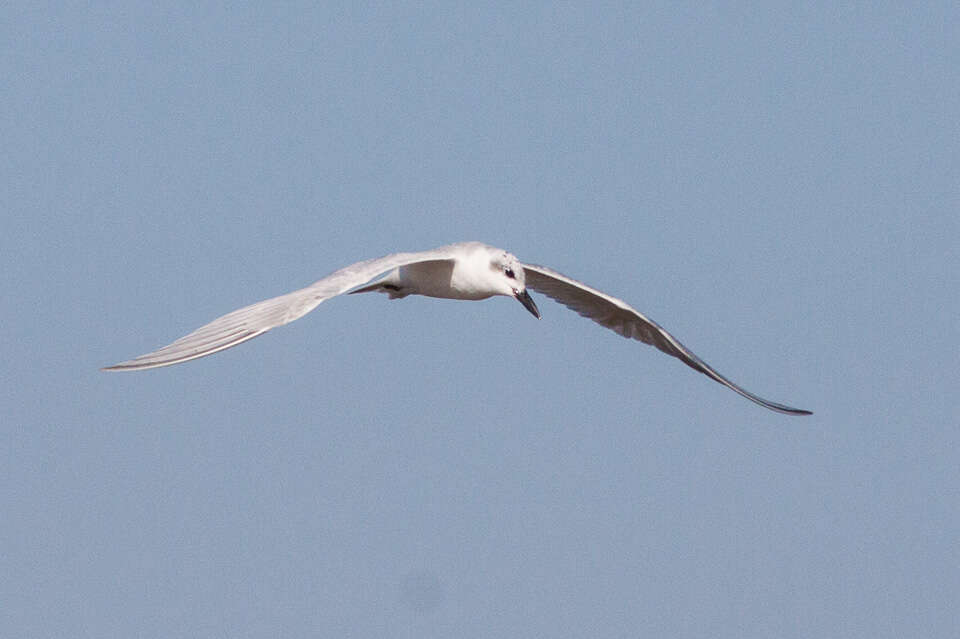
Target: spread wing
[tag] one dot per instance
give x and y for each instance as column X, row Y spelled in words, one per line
column 617, row 315
column 250, row 321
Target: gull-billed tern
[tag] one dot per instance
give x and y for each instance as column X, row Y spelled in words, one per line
column 464, row 271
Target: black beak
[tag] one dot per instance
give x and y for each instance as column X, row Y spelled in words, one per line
column 524, row 298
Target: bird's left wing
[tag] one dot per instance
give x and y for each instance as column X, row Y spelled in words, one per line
column 250, row 321
column 617, row 315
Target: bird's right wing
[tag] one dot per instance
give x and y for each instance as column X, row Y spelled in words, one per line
column 250, row 321
column 617, row 315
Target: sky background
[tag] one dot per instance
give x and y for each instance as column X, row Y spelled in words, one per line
column 777, row 185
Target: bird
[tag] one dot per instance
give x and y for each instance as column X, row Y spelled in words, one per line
column 461, row 271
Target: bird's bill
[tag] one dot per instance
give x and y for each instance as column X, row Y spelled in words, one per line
column 524, row 298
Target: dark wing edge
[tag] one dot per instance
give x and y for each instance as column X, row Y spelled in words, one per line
column 616, row 315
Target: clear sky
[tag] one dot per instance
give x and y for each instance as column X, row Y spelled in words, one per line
column 778, row 186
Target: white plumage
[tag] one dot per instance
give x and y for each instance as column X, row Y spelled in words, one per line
column 464, row 271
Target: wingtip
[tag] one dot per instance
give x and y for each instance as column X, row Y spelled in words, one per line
column 790, row 410
column 113, row 368
column 785, row 410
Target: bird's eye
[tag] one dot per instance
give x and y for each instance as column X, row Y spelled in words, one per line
column 509, row 273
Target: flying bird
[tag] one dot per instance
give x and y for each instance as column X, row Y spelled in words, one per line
column 463, row 271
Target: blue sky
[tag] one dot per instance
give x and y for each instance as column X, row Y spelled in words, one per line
column 776, row 185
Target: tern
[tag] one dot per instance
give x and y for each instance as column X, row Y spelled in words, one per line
column 462, row 271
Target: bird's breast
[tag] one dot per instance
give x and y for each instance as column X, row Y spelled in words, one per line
column 441, row 278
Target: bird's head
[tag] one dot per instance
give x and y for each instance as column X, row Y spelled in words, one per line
column 511, row 280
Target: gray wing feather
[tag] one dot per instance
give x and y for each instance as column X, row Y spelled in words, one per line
column 617, row 315
column 250, row 321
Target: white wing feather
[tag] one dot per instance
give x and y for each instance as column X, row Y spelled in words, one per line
column 619, row 316
column 250, row 321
